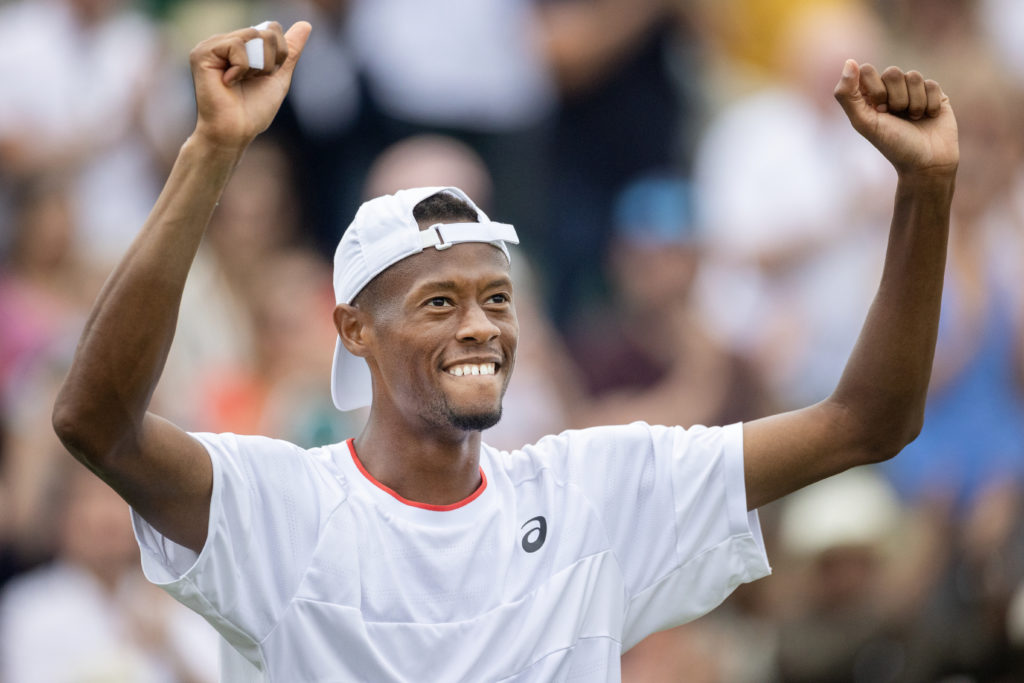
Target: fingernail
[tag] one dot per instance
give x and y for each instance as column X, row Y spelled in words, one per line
column 847, row 69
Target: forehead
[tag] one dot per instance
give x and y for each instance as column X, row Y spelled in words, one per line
column 469, row 264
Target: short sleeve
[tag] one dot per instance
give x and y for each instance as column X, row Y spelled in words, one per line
column 673, row 504
column 266, row 508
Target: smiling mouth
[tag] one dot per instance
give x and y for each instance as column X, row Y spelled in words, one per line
column 466, row 369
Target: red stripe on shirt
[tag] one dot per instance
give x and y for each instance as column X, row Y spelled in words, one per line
column 424, row 506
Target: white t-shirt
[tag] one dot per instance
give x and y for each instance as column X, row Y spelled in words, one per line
column 570, row 552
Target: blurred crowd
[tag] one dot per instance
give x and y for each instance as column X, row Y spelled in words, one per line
column 702, row 235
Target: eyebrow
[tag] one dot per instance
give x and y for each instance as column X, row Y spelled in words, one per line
column 451, row 285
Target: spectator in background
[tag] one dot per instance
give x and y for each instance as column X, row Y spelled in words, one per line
column 427, row 160
column 974, row 429
column 45, row 288
column 90, row 615
column 1002, row 25
column 922, row 25
column 45, row 291
column 525, row 84
column 471, row 70
column 70, row 102
column 647, row 354
column 324, row 122
column 745, row 39
column 628, row 78
column 252, row 348
column 965, row 470
column 984, row 541
column 280, row 389
column 795, row 221
column 384, row 70
column 854, row 569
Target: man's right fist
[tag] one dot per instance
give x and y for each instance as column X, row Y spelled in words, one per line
column 237, row 98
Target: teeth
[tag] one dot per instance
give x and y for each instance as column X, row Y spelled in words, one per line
column 472, row 369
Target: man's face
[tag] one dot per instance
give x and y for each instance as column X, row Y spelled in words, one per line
column 444, row 340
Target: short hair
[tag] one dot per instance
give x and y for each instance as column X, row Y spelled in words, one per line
column 443, row 206
column 440, row 206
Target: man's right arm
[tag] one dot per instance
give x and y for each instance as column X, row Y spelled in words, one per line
column 101, row 413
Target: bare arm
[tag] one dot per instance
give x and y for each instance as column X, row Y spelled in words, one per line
column 101, row 413
column 878, row 406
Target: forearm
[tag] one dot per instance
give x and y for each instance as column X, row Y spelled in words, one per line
column 884, row 385
column 126, row 339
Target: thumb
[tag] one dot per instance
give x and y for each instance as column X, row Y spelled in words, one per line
column 848, row 93
column 296, row 37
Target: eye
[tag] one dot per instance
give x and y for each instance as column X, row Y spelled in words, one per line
column 498, row 299
column 438, row 302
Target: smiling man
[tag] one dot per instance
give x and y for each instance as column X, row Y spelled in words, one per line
column 415, row 552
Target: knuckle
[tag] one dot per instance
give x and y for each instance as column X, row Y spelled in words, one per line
column 892, row 73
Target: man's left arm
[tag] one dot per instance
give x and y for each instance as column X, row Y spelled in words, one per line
column 878, row 405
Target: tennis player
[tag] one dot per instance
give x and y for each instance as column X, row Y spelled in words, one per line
column 415, row 552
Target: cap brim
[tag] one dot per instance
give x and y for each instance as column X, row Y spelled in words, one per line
column 356, row 389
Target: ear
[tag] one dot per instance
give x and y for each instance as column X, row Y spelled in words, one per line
column 355, row 327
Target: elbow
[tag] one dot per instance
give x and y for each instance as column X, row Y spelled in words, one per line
column 68, row 424
column 886, row 442
column 875, row 437
column 85, row 433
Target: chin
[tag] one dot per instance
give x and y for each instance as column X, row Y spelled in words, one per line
column 476, row 421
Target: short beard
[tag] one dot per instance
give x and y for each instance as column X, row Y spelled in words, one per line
column 477, row 422
column 443, row 415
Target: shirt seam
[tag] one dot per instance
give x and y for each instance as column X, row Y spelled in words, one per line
column 523, row 598
column 298, row 584
column 696, row 558
column 560, row 649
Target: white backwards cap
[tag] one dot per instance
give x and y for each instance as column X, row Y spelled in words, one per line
column 383, row 233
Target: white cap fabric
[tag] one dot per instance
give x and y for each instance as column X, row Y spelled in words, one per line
column 383, row 233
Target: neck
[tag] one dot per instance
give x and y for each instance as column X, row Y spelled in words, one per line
column 436, row 469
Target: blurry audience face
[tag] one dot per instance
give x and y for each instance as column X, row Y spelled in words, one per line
column 90, row 11
column 429, row 160
column 96, row 530
column 845, row 576
column 818, row 41
column 652, row 277
column 990, row 140
column 44, row 228
column 654, row 254
column 293, row 307
column 257, row 211
column 934, row 20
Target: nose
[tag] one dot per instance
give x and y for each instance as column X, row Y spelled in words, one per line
column 476, row 326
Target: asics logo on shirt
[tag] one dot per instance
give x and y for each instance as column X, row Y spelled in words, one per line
column 534, row 537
